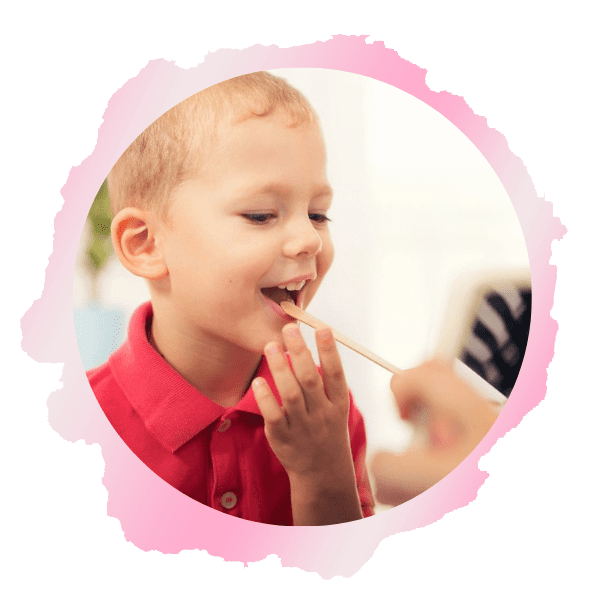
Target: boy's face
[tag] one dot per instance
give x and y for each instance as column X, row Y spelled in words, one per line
column 252, row 221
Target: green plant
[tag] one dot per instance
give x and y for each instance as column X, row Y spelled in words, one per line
column 100, row 247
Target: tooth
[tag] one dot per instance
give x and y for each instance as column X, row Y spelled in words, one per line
column 293, row 286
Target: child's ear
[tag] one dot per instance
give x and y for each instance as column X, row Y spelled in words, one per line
column 133, row 231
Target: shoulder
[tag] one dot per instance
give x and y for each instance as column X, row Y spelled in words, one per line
column 99, row 376
column 103, row 384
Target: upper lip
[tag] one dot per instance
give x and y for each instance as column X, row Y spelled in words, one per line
column 296, row 279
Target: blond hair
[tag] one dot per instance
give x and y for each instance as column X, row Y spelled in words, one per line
column 172, row 148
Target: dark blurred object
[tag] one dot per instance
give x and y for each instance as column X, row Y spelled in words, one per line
column 496, row 348
column 486, row 328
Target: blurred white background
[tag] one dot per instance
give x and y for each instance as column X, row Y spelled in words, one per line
column 416, row 204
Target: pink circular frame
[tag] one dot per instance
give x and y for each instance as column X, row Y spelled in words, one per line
column 153, row 515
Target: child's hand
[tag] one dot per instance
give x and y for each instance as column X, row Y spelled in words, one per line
column 309, row 435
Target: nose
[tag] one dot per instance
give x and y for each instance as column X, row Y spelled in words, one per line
column 303, row 240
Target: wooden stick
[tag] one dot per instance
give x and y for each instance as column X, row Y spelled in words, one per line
column 299, row 314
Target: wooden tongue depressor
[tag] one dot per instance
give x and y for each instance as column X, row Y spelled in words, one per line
column 299, row 314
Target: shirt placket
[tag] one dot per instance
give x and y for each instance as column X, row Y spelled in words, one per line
column 226, row 493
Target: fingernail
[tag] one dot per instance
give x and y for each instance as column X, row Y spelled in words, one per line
column 258, row 384
column 272, row 349
column 325, row 335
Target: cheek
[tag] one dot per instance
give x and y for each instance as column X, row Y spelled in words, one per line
column 239, row 272
column 325, row 260
column 327, row 256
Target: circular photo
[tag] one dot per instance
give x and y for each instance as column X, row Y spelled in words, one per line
column 302, row 297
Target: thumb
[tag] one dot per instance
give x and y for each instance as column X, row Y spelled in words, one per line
column 420, row 389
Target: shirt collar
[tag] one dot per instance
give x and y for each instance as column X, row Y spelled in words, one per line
column 172, row 410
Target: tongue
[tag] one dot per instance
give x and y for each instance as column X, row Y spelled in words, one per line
column 277, row 294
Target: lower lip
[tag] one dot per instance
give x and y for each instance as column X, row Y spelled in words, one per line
column 277, row 309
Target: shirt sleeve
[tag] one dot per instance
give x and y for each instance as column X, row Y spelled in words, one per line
column 358, row 449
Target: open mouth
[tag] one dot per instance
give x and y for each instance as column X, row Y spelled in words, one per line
column 289, row 292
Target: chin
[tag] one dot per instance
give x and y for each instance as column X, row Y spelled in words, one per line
column 263, row 337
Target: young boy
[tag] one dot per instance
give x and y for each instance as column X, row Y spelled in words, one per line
column 221, row 206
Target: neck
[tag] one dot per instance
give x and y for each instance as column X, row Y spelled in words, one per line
column 219, row 370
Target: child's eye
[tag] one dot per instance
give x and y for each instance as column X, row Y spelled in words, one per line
column 319, row 218
column 258, row 218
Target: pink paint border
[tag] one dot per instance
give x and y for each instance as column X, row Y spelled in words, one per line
column 155, row 516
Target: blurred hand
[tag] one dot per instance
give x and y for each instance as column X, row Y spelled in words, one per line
column 455, row 419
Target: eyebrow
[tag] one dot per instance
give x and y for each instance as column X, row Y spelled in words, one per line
column 325, row 190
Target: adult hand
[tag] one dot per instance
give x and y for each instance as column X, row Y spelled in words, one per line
column 455, row 419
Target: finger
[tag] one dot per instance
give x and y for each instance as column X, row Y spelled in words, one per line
column 270, row 409
column 453, row 410
column 333, row 375
column 304, row 368
column 287, row 386
column 425, row 387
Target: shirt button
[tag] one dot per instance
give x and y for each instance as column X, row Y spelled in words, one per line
column 229, row 500
column 224, row 425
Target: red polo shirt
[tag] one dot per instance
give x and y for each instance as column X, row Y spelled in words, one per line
column 217, row 456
